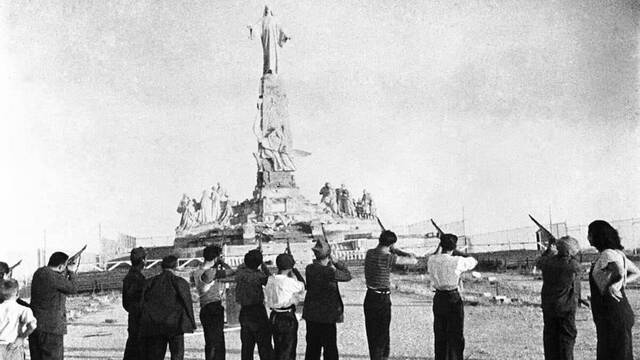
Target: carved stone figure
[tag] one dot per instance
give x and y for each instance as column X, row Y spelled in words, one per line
column 272, row 37
column 204, row 215
column 187, row 211
column 215, row 204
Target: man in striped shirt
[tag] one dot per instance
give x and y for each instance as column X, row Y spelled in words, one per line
column 448, row 312
column 377, row 303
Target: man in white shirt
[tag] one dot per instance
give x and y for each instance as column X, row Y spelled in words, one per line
column 210, row 291
column 448, row 312
column 281, row 294
column 16, row 322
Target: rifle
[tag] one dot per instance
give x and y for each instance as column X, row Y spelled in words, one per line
column 287, row 250
column 440, row 233
column 552, row 239
column 76, row 257
column 13, row 267
column 324, row 235
column 380, row 223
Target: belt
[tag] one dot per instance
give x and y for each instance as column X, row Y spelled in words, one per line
column 446, row 291
column 285, row 309
column 380, row 291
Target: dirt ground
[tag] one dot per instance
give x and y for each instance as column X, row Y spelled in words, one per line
column 493, row 331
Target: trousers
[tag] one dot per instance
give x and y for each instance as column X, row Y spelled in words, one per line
column 133, row 347
column 377, row 319
column 559, row 336
column 321, row 336
column 155, row 347
column 212, row 319
column 46, row 346
column 448, row 325
column 284, row 328
column 255, row 330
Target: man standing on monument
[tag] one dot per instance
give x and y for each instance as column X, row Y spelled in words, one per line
column 328, row 197
column 272, row 37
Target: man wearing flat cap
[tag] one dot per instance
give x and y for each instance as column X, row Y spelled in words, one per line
column 283, row 291
column 132, row 286
column 323, row 306
column 444, row 270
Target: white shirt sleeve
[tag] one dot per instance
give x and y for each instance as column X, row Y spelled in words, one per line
column 27, row 318
column 466, row 263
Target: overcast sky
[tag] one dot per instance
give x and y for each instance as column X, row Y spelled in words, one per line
column 113, row 109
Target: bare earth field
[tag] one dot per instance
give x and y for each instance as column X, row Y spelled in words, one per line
column 492, row 331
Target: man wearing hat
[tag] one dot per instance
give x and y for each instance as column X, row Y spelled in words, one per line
column 167, row 313
column 132, row 286
column 323, row 306
column 561, row 291
column 445, row 269
column 377, row 302
column 283, row 291
column 254, row 323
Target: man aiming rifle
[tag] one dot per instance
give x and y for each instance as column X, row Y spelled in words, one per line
column 445, row 267
column 561, row 294
column 323, row 307
column 49, row 289
column 283, row 291
column 378, row 263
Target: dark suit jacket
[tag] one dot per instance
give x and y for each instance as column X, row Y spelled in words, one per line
column 49, row 291
column 132, row 286
column 166, row 308
column 323, row 302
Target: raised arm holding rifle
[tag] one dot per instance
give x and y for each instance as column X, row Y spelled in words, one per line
column 561, row 294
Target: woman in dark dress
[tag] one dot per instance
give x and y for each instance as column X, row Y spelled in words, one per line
column 609, row 275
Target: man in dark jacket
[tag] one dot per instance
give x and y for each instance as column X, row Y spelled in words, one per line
column 166, row 314
column 323, row 306
column 132, row 287
column 49, row 289
column 254, row 323
column 560, row 297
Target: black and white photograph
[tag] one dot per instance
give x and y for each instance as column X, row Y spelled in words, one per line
column 294, row 179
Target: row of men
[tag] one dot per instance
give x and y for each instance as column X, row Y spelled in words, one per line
column 160, row 309
column 339, row 201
